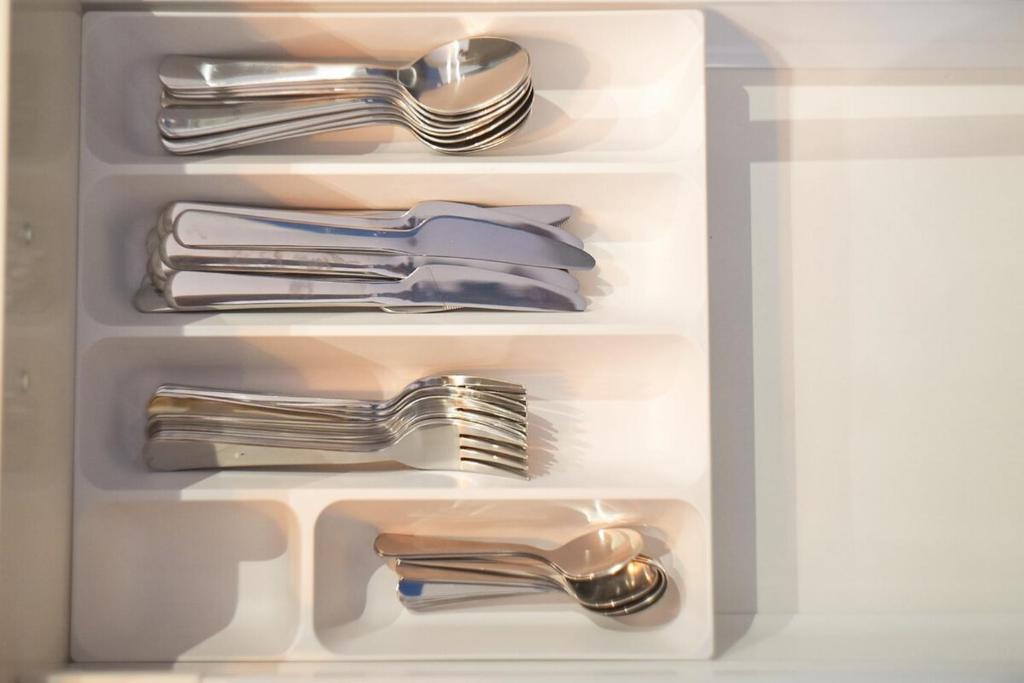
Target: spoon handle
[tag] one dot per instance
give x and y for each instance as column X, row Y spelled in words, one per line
column 408, row 546
column 192, row 121
column 181, row 73
column 283, row 130
column 418, row 595
column 502, row 573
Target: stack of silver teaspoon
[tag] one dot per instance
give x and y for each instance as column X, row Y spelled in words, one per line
column 463, row 96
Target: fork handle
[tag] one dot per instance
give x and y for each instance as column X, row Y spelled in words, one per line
column 180, row 454
column 167, row 454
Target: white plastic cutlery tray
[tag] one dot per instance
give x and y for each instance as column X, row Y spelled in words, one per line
column 246, row 565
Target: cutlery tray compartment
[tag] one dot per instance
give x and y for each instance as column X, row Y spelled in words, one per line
column 601, row 93
column 279, row 566
column 649, row 250
column 593, row 422
column 258, row 579
column 356, row 612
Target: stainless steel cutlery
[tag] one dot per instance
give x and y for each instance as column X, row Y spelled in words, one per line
column 170, row 255
column 542, row 219
column 463, row 96
column 455, row 286
column 446, row 236
column 432, row 586
column 596, row 553
column 436, row 256
column 604, row 571
column 447, row 422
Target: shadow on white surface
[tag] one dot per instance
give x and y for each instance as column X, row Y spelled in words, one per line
column 861, row 287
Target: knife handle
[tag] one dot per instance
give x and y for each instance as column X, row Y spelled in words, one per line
column 208, row 229
column 204, row 290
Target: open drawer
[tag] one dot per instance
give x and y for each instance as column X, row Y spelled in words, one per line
column 831, row 327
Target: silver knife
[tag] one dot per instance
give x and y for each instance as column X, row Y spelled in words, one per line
column 149, row 300
column 393, row 220
column 443, row 236
column 172, row 255
column 542, row 214
column 426, row 286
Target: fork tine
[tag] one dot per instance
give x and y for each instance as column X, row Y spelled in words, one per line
column 483, row 467
column 477, row 445
column 521, row 462
column 483, row 434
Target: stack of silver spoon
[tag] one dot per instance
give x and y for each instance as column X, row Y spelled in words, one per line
column 464, row 96
column 604, row 571
column 436, row 256
column 441, row 422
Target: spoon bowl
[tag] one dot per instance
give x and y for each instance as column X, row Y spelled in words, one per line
column 635, row 581
column 467, row 74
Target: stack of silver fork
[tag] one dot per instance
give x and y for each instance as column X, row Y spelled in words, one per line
column 603, row 570
column 464, row 96
column 436, row 256
column 442, row 422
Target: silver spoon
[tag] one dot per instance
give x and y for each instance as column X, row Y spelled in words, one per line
column 634, row 587
column 396, row 94
column 489, row 135
column 218, row 117
column 596, row 553
column 456, row 77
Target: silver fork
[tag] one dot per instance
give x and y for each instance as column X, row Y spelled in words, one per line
column 438, row 447
column 171, row 398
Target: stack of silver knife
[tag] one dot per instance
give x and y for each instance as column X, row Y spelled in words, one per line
column 436, row 256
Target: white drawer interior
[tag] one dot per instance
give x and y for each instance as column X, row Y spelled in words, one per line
column 247, row 565
column 866, row 523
